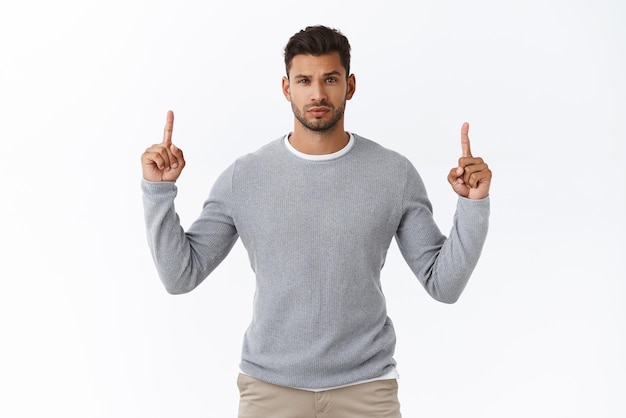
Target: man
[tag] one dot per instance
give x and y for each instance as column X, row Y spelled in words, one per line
column 316, row 210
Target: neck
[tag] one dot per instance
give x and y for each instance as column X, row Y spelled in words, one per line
column 318, row 142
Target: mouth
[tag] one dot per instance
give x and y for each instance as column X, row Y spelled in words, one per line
column 318, row 111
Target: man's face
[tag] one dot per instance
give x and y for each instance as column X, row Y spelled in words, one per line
column 318, row 89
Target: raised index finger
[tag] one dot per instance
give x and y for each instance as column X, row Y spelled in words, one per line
column 169, row 127
column 465, row 142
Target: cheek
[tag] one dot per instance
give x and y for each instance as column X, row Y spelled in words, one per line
column 296, row 97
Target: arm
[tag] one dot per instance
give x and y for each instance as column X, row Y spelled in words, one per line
column 444, row 265
column 183, row 259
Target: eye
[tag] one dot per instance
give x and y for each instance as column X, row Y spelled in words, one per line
column 331, row 80
column 302, row 81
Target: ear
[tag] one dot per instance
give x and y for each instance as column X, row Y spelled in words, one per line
column 286, row 92
column 351, row 86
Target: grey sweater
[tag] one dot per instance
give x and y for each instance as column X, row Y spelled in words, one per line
column 317, row 234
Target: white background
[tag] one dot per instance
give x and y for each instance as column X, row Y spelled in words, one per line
column 87, row 329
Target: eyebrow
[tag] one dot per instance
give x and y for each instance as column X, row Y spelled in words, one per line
column 328, row 74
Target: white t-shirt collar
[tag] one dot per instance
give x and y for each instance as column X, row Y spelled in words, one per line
column 323, row 157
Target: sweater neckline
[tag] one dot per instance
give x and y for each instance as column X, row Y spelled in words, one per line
column 322, row 157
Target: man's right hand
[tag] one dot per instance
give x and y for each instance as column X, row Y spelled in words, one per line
column 164, row 161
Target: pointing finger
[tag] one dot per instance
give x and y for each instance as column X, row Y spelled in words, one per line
column 169, row 127
column 465, row 142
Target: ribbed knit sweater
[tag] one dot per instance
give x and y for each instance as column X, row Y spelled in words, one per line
column 317, row 234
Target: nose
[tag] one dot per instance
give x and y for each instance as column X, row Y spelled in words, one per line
column 318, row 92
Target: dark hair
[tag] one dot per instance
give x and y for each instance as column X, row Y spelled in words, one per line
column 318, row 40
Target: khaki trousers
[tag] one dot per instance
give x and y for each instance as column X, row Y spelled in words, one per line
column 258, row 399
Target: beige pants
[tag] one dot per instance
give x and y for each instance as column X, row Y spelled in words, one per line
column 378, row 399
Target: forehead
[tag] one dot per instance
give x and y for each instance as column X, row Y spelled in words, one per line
column 311, row 65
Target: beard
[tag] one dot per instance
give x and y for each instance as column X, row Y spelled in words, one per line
column 319, row 125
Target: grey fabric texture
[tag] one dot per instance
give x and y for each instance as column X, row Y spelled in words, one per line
column 317, row 235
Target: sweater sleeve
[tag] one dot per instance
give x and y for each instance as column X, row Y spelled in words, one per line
column 443, row 265
column 184, row 259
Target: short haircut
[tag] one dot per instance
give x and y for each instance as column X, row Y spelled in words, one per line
column 318, row 40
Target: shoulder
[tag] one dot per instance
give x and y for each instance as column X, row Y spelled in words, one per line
column 251, row 160
column 269, row 150
column 248, row 168
column 366, row 148
column 387, row 162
